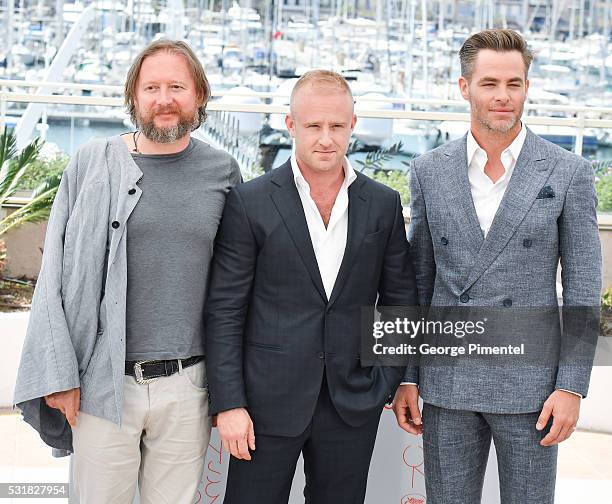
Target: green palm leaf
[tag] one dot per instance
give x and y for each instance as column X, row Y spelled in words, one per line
column 8, row 145
column 37, row 209
column 14, row 166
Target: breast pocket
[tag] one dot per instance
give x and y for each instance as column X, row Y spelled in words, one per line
column 376, row 236
column 541, row 220
column 546, row 205
column 373, row 245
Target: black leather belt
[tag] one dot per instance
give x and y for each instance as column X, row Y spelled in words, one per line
column 145, row 371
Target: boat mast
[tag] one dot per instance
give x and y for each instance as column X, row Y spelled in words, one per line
column 9, row 43
column 244, row 39
column 572, row 20
column 59, row 12
column 410, row 47
column 604, row 41
column 424, row 47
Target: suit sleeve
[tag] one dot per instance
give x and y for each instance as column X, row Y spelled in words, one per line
column 398, row 284
column 421, row 246
column 581, row 272
column 421, row 256
column 232, row 274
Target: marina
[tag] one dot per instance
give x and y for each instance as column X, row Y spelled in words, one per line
column 62, row 69
column 398, row 56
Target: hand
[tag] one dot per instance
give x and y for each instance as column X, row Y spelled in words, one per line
column 406, row 409
column 68, row 402
column 236, row 430
column 565, row 409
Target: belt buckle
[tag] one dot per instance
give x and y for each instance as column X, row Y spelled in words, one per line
column 138, row 373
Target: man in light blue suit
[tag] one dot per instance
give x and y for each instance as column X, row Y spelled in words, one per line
column 492, row 214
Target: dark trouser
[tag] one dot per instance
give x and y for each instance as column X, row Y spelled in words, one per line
column 336, row 462
column 456, row 448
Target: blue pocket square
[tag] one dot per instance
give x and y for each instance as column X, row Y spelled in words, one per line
column 546, row 192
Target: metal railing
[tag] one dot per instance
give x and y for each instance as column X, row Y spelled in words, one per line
column 581, row 117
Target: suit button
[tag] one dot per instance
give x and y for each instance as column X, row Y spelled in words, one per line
column 115, row 224
column 507, row 303
column 464, row 298
column 132, row 191
column 526, row 243
column 444, row 241
column 321, row 355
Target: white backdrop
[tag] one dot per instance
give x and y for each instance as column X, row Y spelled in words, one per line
column 396, row 472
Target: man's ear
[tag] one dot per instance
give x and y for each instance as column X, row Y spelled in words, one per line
column 464, row 88
column 290, row 123
column 353, row 122
column 526, row 86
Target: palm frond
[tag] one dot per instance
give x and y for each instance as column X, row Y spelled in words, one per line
column 21, row 163
column 354, row 146
column 47, row 184
column 36, row 210
column 15, row 166
column 411, row 156
column 8, row 173
column 375, row 160
column 602, row 166
column 8, row 145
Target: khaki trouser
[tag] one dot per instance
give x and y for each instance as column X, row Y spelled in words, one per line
column 160, row 444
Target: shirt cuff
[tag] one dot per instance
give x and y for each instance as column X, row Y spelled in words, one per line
column 408, row 383
column 571, row 392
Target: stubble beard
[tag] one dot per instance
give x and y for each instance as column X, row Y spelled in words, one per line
column 498, row 128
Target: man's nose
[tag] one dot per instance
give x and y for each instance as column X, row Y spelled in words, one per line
column 502, row 94
column 163, row 97
column 325, row 136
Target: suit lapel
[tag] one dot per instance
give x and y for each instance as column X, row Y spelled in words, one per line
column 287, row 201
column 458, row 194
column 530, row 173
column 358, row 206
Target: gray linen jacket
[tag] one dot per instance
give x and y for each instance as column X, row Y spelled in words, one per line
column 547, row 214
column 76, row 332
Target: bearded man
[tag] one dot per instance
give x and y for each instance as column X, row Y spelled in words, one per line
column 112, row 367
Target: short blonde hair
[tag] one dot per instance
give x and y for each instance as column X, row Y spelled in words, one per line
column 195, row 68
column 324, row 78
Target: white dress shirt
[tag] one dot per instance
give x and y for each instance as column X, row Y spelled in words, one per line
column 487, row 195
column 328, row 243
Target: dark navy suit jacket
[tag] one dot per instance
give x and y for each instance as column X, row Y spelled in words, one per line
column 271, row 332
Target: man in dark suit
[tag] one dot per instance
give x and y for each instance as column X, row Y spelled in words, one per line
column 300, row 251
column 492, row 215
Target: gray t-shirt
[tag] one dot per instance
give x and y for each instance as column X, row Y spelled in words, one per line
column 170, row 237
